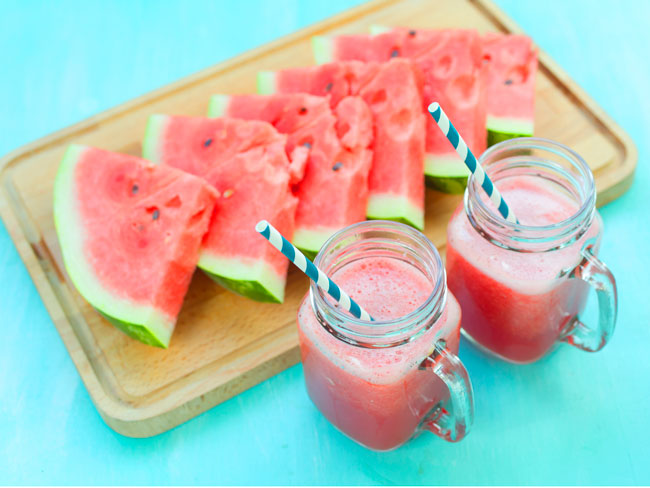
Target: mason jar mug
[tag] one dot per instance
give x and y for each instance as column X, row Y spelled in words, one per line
column 522, row 286
column 382, row 382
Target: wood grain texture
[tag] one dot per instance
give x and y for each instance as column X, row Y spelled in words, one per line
column 223, row 343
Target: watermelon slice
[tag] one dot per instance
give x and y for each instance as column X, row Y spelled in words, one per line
column 245, row 161
column 392, row 91
column 511, row 63
column 451, row 63
column 334, row 191
column 130, row 234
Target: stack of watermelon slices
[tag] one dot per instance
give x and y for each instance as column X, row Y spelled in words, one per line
column 485, row 85
column 334, row 191
column 392, row 91
column 451, row 63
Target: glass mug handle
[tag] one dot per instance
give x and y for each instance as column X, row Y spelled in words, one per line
column 453, row 418
column 594, row 272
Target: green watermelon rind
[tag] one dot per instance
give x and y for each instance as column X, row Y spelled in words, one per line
column 321, row 47
column 218, row 105
column 266, row 83
column 142, row 322
column 501, row 129
column 150, row 143
column 310, row 241
column 136, row 331
column 396, row 208
column 376, row 29
column 256, row 281
column 445, row 173
column 261, row 285
column 451, row 185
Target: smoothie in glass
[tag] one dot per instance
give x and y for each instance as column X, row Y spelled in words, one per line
column 516, row 304
column 522, row 286
column 375, row 381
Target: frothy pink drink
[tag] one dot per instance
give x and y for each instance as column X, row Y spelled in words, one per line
column 378, row 396
column 516, row 303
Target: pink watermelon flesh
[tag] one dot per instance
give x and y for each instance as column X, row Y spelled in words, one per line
column 130, row 234
column 511, row 63
column 392, row 92
column 334, row 191
column 245, row 161
column 451, row 64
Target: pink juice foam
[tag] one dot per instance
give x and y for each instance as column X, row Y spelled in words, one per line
column 377, row 396
column 386, row 288
column 516, row 303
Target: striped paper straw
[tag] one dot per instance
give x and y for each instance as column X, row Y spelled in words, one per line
column 466, row 155
column 307, row 267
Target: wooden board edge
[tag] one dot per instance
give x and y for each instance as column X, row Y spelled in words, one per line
column 151, row 425
column 52, row 305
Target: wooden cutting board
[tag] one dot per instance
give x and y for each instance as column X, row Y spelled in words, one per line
column 223, row 343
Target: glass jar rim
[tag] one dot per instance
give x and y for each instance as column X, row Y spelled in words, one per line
column 578, row 222
column 431, row 308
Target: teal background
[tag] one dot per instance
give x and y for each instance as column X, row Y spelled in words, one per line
column 572, row 418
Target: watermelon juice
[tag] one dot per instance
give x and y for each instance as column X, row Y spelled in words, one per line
column 522, row 287
column 383, row 382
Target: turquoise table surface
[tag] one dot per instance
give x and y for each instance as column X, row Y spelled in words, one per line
column 571, row 418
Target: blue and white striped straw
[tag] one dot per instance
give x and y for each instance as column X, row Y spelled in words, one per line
column 306, row 266
column 466, row 155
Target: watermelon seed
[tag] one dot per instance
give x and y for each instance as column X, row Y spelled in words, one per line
column 156, row 214
column 412, row 33
column 329, row 86
column 394, row 53
column 337, row 166
column 508, row 82
column 303, row 110
column 207, row 142
column 307, row 145
column 134, row 189
column 228, row 193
